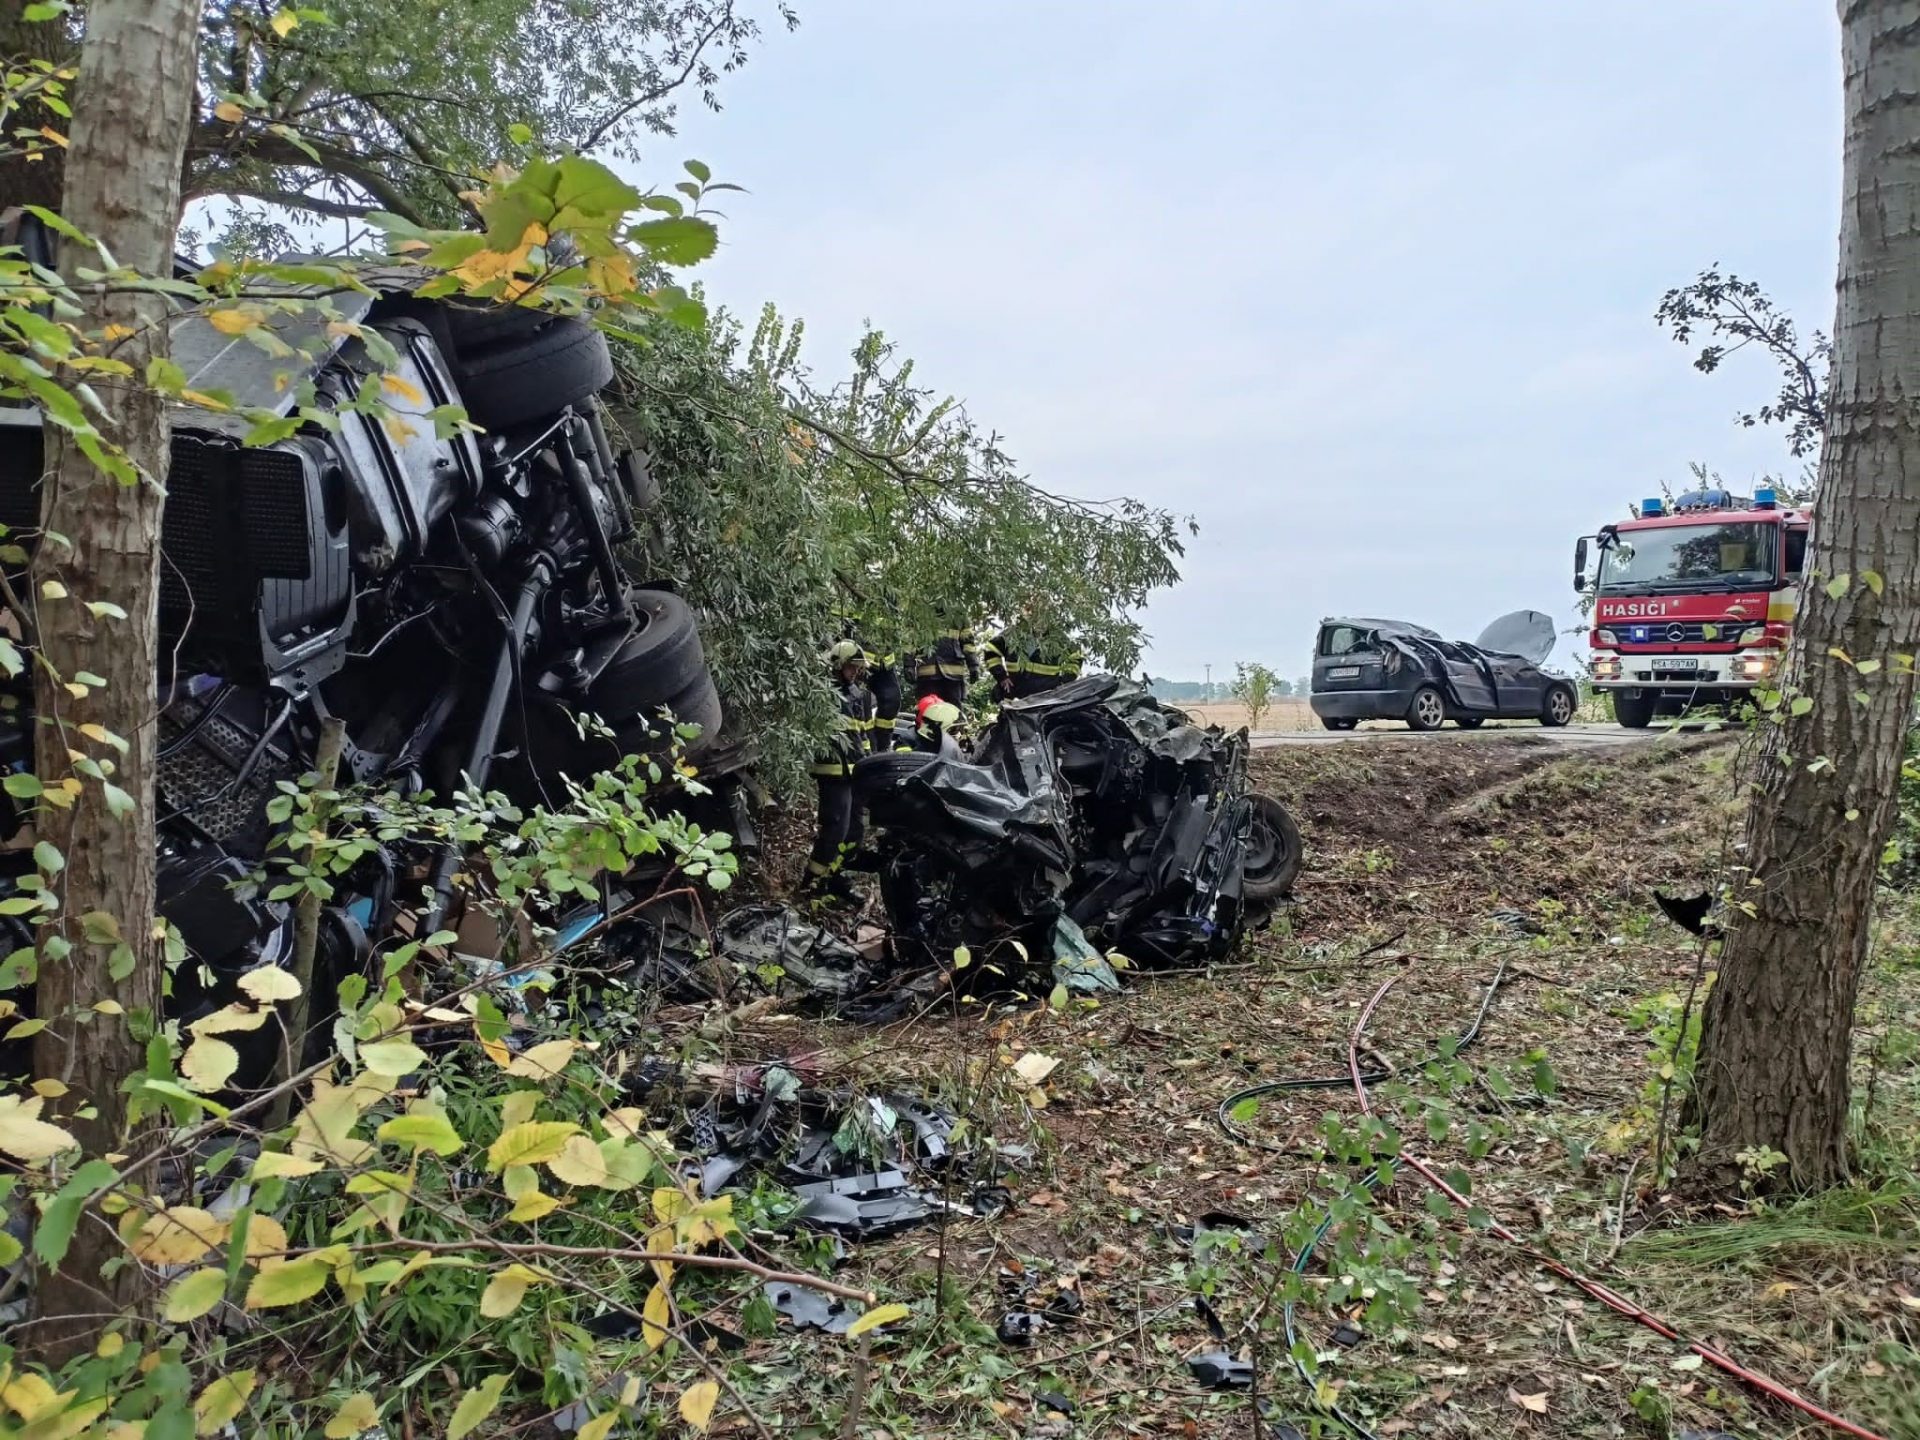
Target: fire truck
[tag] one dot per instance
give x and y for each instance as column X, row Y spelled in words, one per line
column 1692, row 601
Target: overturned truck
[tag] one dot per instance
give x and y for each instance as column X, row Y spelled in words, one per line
column 1091, row 813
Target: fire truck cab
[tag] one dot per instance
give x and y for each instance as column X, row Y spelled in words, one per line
column 1692, row 602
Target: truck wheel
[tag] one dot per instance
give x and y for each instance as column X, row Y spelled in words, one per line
column 1469, row 722
column 560, row 364
column 1273, row 851
column 1428, row 710
column 1633, row 711
column 1333, row 722
column 1559, row 708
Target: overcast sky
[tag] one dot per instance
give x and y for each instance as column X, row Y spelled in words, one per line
column 1366, row 289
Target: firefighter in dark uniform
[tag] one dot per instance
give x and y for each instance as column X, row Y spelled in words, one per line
column 933, row 718
column 839, row 827
column 948, row 667
column 1022, row 667
column 883, row 679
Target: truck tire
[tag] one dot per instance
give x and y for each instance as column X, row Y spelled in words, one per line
column 1427, row 710
column 559, row 364
column 1334, row 722
column 1635, row 712
column 1559, row 707
column 659, row 663
column 1273, row 852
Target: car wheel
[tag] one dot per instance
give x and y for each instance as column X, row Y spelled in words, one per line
column 1559, row 708
column 1635, row 712
column 1469, row 722
column 887, row 768
column 558, row 365
column 1333, row 722
column 1428, row 710
column 1272, row 860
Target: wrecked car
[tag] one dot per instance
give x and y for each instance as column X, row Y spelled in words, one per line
column 1092, row 813
column 456, row 599
column 1391, row 670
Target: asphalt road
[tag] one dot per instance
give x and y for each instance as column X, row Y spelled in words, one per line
column 1576, row 736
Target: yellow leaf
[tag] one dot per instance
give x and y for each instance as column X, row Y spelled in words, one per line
column 655, row 1316
column 208, row 1064
column 193, row 1295
column 518, row 1108
column 504, row 1291
column 29, row 1395
column 669, row 1205
column 394, row 1058
column 404, row 388
column 221, row 1401
column 111, row 1344
column 177, row 1235
column 628, row 1121
column 116, row 332
column 265, row 1236
column 228, row 111
column 288, row 1282
column 544, row 1061
column 236, row 319
column 283, row 23
column 696, row 1403
column 277, row 1163
column 599, row 1427
column 49, row 1089
column 876, row 1317
column 233, row 1018
column 109, row 1007
column 269, row 983
column 532, row 1143
column 360, row 1412
column 476, row 1405
column 52, row 590
column 532, row 1206
column 581, row 1163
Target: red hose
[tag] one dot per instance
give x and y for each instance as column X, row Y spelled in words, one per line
column 1613, row 1301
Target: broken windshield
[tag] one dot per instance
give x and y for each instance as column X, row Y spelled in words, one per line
column 1690, row 557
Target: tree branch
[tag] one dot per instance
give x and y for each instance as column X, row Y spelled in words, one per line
column 599, row 132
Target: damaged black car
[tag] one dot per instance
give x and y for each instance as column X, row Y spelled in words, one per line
column 1092, row 818
column 1391, row 670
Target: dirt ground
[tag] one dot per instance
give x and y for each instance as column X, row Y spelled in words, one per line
column 1437, row 867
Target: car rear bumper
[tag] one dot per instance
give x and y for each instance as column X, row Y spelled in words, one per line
column 1361, row 704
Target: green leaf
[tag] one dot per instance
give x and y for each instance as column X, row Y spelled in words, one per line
column 61, row 1215
column 1873, row 581
column 520, row 133
column 1839, row 586
column 682, row 240
column 22, row 786
column 1245, row 1110
column 422, row 1132
column 165, row 376
column 120, row 961
column 475, row 1406
column 10, row 1249
column 48, row 857
column 699, row 171
column 288, row 1283
column 392, row 1058
column 1802, row 704
column 192, row 1296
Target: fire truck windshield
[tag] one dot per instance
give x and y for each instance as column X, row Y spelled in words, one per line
column 1705, row 557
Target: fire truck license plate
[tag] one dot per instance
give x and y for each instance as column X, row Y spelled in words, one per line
column 1344, row 672
column 1676, row 662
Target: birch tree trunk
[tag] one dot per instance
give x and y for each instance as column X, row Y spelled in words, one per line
column 132, row 109
column 1776, row 1042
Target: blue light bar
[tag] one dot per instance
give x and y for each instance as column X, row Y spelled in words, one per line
column 1651, row 508
column 1764, row 498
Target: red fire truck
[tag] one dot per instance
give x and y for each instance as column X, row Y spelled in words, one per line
column 1693, row 600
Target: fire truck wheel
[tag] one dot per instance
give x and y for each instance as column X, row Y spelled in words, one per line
column 1559, row 708
column 1633, row 711
column 1428, row 711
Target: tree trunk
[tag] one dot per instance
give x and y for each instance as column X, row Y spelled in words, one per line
column 1776, row 1043
column 131, row 114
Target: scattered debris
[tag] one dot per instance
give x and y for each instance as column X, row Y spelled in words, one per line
column 1217, row 1370
column 810, row 1309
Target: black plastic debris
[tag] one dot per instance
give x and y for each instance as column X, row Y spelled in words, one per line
column 1517, row 922
column 1348, row 1335
column 865, row 1206
column 1692, row 914
column 1064, row 1307
column 1210, row 1318
column 1053, row 1400
column 1018, row 1327
column 810, row 1309
column 1217, row 1370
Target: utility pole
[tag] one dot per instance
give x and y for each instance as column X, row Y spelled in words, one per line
column 1209, row 670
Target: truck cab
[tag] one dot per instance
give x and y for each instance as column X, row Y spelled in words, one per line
column 1693, row 601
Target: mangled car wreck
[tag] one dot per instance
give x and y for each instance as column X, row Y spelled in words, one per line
column 1391, row 670
column 1089, row 816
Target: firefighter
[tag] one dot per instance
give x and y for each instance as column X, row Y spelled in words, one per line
column 840, row 829
column 883, row 679
column 1021, row 669
column 933, row 718
column 948, row 667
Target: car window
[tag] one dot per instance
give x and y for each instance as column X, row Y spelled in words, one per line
column 1339, row 639
column 1796, row 553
